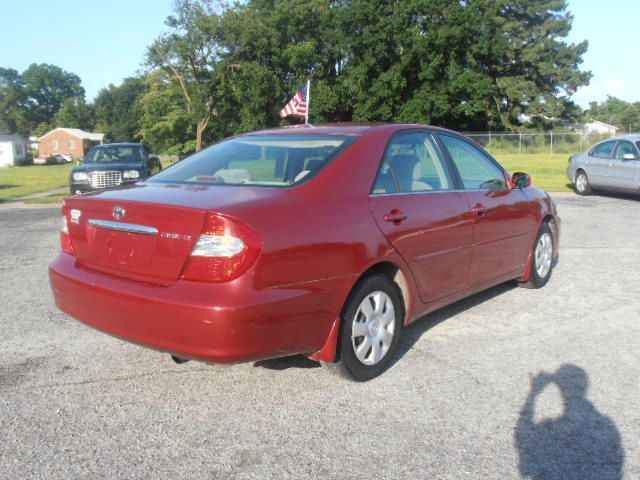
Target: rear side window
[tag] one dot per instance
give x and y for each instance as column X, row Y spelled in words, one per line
column 412, row 163
column 625, row 147
column 262, row 160
column 604, row 150
column 476, row 170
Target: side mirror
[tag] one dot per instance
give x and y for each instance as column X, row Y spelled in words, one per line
column 629, row 156
column 521, row 180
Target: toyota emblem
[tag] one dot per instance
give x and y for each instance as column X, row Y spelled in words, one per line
column 119, row 213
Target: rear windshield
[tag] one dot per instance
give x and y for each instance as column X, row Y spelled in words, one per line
column 122, row 153
column 262, row 160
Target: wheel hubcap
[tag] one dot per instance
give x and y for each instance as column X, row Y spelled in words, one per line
column 581, row 182
column 373, row 327
column 544, row 255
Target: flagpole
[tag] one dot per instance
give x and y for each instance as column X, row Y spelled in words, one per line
column 306, row 115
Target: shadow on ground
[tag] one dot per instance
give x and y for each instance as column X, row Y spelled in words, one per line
column 283, row 363
column 413, row 332
column 581, row 444
column 608, row 194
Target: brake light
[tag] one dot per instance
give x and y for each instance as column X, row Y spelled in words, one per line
column 225, row 250
column 65, row 238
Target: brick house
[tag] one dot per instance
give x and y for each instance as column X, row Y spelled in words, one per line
column 69, row 141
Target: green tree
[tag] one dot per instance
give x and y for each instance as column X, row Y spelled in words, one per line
column 75, row 113
column 617, row 112
column 119, row 110
column 166, row 124
column 35, row 96
column 189, row 55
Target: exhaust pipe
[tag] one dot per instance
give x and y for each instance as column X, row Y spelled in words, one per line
column 179, row 360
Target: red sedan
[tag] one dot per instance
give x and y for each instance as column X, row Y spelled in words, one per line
column 323, row 241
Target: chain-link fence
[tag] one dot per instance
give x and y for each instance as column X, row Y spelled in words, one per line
column 534, row 143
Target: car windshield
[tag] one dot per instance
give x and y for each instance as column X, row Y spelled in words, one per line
column 112, row 153
column 263, row 160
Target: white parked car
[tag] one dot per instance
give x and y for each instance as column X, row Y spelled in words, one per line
column 54, row 159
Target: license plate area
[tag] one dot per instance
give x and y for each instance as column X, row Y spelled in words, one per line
column 121, row 249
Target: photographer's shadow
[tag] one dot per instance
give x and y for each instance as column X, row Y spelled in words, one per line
column 582, row 444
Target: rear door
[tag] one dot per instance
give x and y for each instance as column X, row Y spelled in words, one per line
column 503, row 222
column 597, row 164
column 623, row 173
column 417, row 206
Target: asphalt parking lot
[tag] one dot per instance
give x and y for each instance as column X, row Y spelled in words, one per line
column 467, row 398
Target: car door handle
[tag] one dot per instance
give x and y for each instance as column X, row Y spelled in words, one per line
column 395, row 216
column 479, row 209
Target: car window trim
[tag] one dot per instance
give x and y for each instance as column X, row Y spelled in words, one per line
column 483, row 152
column 442, row 156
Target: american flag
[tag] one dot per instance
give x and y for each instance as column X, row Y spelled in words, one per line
column 297, row 106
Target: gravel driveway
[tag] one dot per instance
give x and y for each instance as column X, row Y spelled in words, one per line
column 467, row 398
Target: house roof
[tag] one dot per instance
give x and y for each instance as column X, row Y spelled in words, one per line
column 11, row 137
column 76, row 132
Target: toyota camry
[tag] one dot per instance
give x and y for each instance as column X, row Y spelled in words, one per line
column 323, row 241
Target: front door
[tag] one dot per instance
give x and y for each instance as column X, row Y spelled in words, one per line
column 417, row 207
column 624, row 172
column 503, row 224
column 597, row 164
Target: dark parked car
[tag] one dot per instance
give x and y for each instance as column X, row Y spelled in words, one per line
column 113, row 165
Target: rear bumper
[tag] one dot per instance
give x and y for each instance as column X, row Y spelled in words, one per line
column 80, row 188
column 218, row 323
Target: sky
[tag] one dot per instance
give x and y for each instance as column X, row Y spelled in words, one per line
column 104, row 42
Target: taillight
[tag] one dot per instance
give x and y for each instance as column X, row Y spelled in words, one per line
column 224, row 251
column 65, row 238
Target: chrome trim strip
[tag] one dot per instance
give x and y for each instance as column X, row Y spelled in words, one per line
column 422, row 192
column 123, row 227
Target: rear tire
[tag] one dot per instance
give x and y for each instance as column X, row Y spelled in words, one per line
column 581, row 182
column 542, row 259
column 370, row 328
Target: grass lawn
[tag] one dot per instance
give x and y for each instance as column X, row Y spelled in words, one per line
column 17, row 182
column 547, row 171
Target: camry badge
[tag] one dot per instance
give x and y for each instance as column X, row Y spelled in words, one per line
column 119, row 212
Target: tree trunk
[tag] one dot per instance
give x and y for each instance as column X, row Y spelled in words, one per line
column 200, row 128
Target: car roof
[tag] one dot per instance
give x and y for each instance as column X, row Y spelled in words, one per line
column 343, row 128
column 634, row 137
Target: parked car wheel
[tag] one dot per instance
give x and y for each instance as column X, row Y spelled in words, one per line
column 542, row 259
column 370, row 329
column 583, row 187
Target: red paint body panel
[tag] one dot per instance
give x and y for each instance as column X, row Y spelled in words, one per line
column 317, row 240
column 436, row 239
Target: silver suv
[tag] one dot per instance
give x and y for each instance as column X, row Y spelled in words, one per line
column 612, row 164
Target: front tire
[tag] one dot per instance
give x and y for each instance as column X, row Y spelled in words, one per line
column 370, row 328
column 542, row 261
column 581, row 182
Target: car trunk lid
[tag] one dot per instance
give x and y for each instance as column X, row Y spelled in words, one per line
column 142, row 241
